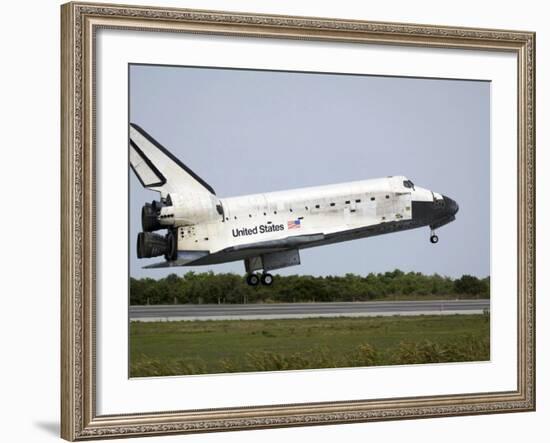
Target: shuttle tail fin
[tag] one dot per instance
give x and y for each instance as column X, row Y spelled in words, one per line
column 158, row 169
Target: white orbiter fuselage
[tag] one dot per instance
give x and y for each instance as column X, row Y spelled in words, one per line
column 267, row 230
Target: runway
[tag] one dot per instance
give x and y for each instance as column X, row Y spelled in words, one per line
column 304, row 310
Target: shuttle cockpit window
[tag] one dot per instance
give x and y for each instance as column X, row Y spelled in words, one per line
column 408, row 184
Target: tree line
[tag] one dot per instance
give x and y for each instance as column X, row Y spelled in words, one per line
column 231, row 288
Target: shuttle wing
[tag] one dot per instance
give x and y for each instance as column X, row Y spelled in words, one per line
column 238, row 252
column 277, row 245
column 158, row 169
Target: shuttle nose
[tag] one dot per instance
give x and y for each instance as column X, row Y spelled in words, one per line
column 451, row 207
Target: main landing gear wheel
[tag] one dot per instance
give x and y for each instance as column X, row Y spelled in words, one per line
column 434, row 238
column 252, row 279
column 267, row 279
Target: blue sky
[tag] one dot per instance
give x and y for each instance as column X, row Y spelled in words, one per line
column 246, row 131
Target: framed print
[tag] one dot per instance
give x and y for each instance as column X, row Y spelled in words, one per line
column 282, row 221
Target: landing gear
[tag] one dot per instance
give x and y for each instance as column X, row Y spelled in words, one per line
column 254, row 279
column 267, row 279
column 434, row 238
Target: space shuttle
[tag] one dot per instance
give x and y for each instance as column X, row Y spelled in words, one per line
column 189, row 225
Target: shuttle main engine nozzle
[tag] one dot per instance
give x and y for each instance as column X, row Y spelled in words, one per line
column 149, row 216
column 153, row 245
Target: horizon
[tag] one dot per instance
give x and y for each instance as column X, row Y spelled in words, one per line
column 210, row 271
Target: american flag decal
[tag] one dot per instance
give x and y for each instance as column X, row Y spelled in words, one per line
column 293, row 224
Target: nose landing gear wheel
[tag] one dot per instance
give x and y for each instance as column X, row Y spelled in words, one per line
column 434, row 238
column 252, row 279
column 267, row 279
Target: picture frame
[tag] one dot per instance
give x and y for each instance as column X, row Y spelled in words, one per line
column 81, row 22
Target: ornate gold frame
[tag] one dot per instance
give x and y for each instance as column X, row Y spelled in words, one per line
column 79, row 420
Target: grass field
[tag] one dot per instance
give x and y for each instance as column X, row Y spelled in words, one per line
column 218, row 346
